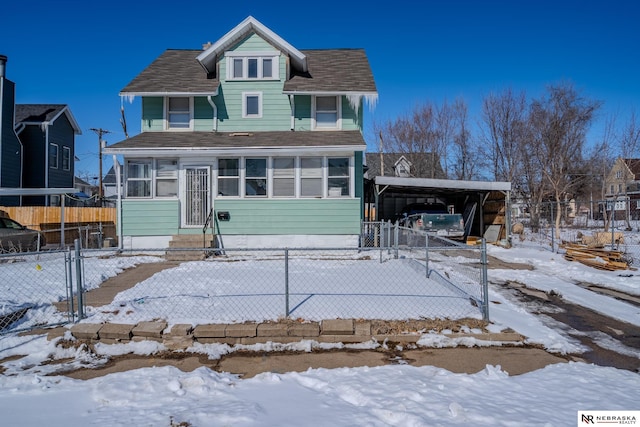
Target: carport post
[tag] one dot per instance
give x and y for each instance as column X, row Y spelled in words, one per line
column 485, row 282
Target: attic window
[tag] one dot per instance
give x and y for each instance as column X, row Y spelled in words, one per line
column 254, row 66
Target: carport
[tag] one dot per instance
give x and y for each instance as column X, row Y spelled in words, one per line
column 485, row 205
column 43, row 192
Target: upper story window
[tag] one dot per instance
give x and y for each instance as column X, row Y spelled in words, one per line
column 66, row 158
column 178, row 113
column 252, row 66
column 618, row 174
column 327, row 112
column 251, row 105
column 53, row 156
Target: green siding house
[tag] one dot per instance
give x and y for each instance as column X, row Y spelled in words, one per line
column 263, row 137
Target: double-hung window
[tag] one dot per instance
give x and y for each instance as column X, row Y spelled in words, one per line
column 178, row 113
column 284, row 176
column 228, row 177
column 139, row 178
column 327, row 112
column 66, row 158
column 338, row 177
column 166, row 178
column 53, row 156
column 311, row 177
column 255, row 181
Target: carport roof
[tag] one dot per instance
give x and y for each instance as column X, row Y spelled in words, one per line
column 444, row 184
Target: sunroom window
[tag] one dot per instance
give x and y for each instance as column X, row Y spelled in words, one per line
column 284, row 177
column 255, row 177
column 338, row 176
column 166, row 178
column 179, row 113
column 228, row 177
column 139, row 178
column 311, row 176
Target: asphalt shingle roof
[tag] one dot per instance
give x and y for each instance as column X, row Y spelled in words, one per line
column 174, row 71
column 37, row 113
column 330, row 70
column 219, row 140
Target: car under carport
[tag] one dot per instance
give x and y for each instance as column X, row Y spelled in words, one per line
column 485, row 205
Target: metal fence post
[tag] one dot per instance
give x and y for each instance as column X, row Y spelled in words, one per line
column 382, row 224
column 395, row 237
column 79, row 287
column 485, row 282
column 69, row 273
column 426, row 254
column 286, row 281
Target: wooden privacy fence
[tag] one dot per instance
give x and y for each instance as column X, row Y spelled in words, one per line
column 49, row 220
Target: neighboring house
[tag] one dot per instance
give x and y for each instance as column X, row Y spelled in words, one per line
column 622, row 188
column 266, row 136
column 404, row 165
column 86, row 195
column 10, row 146
column 47, row 133
column 110, row 182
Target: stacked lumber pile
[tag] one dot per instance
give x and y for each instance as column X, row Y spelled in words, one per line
column 599, row 258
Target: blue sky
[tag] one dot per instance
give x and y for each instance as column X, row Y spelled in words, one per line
column 81, row 53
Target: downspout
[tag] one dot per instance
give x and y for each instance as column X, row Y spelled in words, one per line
column 292, row 101
column 215, row 113
column 116, row 169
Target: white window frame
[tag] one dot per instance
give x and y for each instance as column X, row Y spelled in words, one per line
column 349, row 177
column 338, row 111
column 247, row 177
column 245, row 95
column 237, row 177
column 158, row 178
column 260, row 57
column 167, row 114
column 618, row 174
column 66, row 158
column 292, row 176
column 54, row 158
column 129, row 179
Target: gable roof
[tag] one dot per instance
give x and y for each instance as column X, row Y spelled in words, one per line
column 110, row 177
column 44, row 114
column 174, row 72
column 209, row 57
column 230, row 141
column 634, row 166
column 423, row 165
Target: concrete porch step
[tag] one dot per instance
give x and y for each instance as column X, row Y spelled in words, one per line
column 197, row 242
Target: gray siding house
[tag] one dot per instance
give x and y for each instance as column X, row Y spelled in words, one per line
column 10, row 146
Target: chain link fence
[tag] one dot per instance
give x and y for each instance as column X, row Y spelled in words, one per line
column 35, row 290
column 408, row 275
column 607, row 224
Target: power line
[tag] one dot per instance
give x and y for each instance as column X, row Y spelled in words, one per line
column 100, row 132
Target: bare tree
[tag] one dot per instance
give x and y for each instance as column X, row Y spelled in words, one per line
column 464, row 150
column 560, row 121
column 503, row 123
column 630, row 138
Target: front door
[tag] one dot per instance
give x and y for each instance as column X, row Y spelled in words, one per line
column 197, row 195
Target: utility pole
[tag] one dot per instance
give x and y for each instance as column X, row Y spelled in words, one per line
column 100, row 132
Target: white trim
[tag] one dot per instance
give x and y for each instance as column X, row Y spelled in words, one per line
column 72, row 120
column 67, row 149
column 57, row 156
column 131, row 95
column 208, row 57
column 252, row 54
column 443, row 183
column 165, row 119
column 234, row 151
column 314, row 111
column 230, row 66
column 245, row 95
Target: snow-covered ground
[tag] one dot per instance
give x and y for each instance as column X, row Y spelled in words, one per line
column 400, row 395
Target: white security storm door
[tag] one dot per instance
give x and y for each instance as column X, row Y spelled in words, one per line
column 197, row 195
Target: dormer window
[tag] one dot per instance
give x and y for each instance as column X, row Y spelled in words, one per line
column 254, row 66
